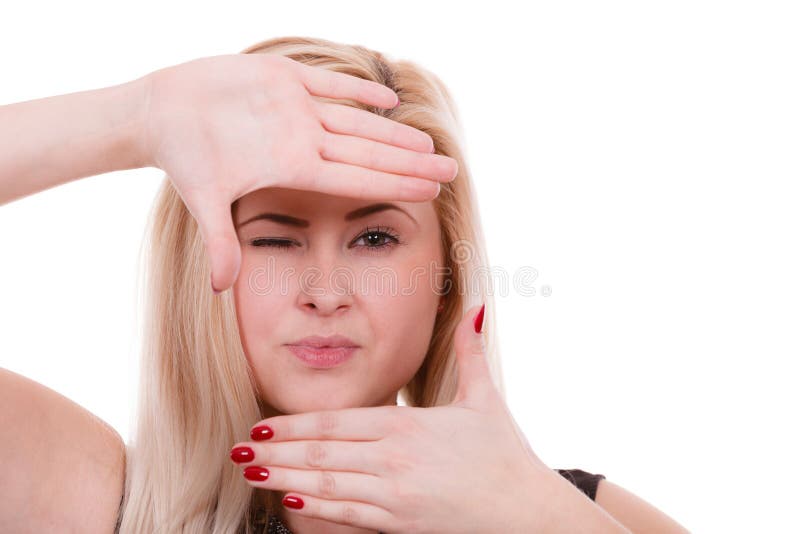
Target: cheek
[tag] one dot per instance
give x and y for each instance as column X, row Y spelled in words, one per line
column 402, row 325
column 256, row 310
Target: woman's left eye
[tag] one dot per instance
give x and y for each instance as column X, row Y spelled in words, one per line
column 379, row 234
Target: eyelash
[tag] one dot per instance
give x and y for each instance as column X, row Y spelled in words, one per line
column 383, row 231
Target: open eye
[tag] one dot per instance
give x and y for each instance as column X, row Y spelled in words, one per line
column 377, row 237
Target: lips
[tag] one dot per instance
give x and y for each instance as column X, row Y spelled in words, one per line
column 334, row 341
column 322, row 357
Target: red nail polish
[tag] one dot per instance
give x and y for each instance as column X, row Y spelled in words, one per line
column 260, row 433
column 479, row 320
column 293, row 502
column 242, row 454
column 256, row 473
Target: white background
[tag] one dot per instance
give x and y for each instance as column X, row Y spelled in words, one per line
column 641, row 156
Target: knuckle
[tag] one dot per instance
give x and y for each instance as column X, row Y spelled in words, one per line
column 373, row 157
column 315, row 454
column 327, row 423
column 358, row 123
column 333, row 85
column 327, row 485
column 264, row 455
column 398, row 463
column 403, row 424
column 369, row 183
column 422, row 163
column 277, row 61
column 324, row 144
column 396, row 133
column 406, row 494
column 414, row 526
column 349, row 515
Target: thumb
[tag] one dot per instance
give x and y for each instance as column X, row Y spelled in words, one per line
column 214, row 219
column 474, row 378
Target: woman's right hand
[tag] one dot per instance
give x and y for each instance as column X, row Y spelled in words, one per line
column 223, row 126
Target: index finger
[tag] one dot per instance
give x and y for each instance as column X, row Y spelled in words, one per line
column 352, row 424
column 327, row 83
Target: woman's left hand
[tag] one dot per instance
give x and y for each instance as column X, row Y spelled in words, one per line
column 464, row 467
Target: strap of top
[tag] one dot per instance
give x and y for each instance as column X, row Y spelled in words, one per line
column 584, row 481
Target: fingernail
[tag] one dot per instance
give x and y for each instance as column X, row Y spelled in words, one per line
column 293, row 502
column 260, row 433
column 479, row 320
column 242, row 454
column 256, row 473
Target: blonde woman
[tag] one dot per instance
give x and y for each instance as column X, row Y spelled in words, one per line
column 301, row 176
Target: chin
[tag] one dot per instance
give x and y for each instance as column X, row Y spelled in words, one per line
column 301, row 403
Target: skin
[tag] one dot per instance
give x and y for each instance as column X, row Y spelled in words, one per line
column 392, row 322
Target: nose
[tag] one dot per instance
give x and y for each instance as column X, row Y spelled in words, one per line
column 326, row 291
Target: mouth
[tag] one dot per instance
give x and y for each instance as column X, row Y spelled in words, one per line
column 334, row 341
column 322, row 357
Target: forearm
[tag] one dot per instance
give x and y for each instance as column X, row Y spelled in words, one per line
column 569, row 510
column 58, row 139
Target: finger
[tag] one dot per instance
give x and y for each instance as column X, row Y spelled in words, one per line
column 387, row 158
column 333, row 455
column 352, row 513
column 213, row 216
column 358, row 122
column 343, row 179
column 332, row 485
column 474, row 376
column 320, row 81
column 352, row 424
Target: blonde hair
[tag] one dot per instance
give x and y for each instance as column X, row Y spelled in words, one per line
column 197, row 392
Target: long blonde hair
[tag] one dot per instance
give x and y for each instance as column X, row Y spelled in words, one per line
column 197, row 392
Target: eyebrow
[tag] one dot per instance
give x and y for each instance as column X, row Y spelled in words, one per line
column 302, row 223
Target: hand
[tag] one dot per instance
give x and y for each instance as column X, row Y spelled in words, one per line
column 223, row 126
column 465, row 467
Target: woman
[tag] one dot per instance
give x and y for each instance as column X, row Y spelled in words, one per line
column 288, row 201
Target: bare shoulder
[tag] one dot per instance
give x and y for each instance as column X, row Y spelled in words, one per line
column 63, row 467
column 634, row 512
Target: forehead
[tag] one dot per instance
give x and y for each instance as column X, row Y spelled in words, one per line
column 315, row 205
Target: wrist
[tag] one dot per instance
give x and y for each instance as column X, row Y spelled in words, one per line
column 562, row 507
column 132, row 107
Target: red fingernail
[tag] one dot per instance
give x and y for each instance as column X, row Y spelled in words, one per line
column 260, row 433
column 479, row 320
column 293, row 502
column 242, row 454
column 256, row 473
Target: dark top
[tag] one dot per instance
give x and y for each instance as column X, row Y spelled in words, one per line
column 586, row 482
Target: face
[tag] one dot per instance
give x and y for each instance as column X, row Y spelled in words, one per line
column 328, row 265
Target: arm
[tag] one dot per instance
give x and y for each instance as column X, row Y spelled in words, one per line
column 634, row 512
column 63, row 468
column 58, row 139
column 570, row 510
column 614, row 510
